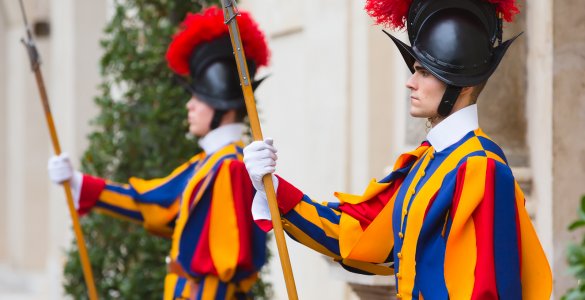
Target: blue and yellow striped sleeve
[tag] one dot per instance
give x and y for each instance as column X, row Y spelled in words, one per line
column 153, row 203
column 333, row 229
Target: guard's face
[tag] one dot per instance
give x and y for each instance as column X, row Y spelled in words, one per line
column 199, row 116
column 426, row 92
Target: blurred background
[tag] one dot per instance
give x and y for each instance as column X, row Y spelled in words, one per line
column 336, row 105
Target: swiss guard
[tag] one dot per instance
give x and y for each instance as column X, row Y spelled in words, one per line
column 449, row 221
column 203, row 205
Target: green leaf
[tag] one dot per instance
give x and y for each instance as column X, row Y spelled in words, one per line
column 576, row 224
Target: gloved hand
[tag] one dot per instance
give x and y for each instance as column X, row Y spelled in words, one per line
column 260, row 159
column 61, row 170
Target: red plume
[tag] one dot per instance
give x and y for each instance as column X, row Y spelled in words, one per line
column 393, row 13
column 208, row 25
column 507, row 8
column 389, row 13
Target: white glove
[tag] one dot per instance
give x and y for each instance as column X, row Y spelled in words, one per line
column 260, row 159
column 61, row 170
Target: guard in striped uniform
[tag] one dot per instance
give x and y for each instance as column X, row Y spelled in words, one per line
column 449, row 221
column 203, row 205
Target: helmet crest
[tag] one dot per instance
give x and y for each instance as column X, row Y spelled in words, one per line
column 208, row 25
column 393, row 13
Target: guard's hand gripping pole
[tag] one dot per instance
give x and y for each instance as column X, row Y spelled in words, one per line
column 230, row 15
column 36, row 68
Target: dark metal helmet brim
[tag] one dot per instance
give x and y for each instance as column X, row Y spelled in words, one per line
column 410, row 56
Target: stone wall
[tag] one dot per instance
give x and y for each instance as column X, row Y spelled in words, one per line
column 568, row 129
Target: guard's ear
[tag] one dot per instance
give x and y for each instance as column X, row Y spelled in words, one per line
column 466, row 91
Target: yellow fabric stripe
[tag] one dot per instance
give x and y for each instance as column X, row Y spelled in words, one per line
column 536, row 274
column 184, row 210
column 418, row 152
column 375, row 243
column 495, row 157
column 170, row 283
column 461, row 249
column 143, row 186
column 187, row 289
column 306, row 240
column 418, row 209
column 209, row 286
column 230, row 291
column 309, row 213
column 350, row 234
column 115, row 215
column 246, row 284
column 411, row 188
column 369, row 267
column 224, row 243
column 158, row 217
column 118, row 200
column 373, row 189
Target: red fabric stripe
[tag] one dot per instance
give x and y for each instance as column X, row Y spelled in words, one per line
column 242, row 190
column 431, row 204
column 367, row 211
column 91, row 189
column 483, row 218
column 458, row 189
column 288, row 195
column 265, row 225
column 201, row 262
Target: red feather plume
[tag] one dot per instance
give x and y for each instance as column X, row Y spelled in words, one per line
column 208, row 25
column 389, row 13
column 393, row 13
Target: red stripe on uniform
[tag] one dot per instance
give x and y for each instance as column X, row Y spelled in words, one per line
column 201, row 262
column 367, row 211
column 242, row 194
column 91, row 188
column 459, row 185
column 483, row 218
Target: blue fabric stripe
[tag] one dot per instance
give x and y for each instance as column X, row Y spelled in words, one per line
column 430, row 253
column 179, row 287
column 119, row 189
column 313, row 231
column 323, row 211
column 192, row 232
column 396, row 173
column 489, row 145
column 221, row 291
column 506, row 257
column 166, row 194
column 128, row 213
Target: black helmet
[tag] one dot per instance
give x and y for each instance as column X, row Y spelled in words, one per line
column 201, row 54
column 455, row 41
column 214, row 75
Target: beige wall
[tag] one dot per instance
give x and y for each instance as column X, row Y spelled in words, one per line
column 3, row 229
column 569, row 125
column 35, row 225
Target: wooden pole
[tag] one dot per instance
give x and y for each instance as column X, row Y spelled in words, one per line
column 230, row 14
column 36, row 67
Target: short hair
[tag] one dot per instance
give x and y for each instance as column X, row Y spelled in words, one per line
column 241, row 114
column 476, row 90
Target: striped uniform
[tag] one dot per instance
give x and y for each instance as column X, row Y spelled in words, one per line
column 448, row 225
column 204, row 205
